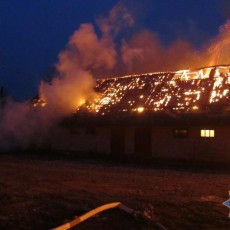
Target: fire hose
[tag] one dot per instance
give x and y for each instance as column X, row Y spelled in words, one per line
column 102, row 208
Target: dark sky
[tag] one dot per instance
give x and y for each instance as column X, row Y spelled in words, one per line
column 33, row 32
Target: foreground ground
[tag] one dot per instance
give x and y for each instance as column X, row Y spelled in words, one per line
column 42, row 194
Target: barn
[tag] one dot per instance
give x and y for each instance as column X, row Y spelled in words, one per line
column 172, row 115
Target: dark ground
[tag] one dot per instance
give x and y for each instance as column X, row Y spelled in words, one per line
column 42, row 193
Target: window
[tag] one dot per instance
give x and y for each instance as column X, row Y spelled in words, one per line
column 207, row 133
column 180, row 132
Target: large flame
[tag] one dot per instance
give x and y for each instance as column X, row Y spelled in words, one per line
column 183, row 90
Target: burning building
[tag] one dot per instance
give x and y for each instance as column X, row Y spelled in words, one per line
column 180, row 91
column 179, row 114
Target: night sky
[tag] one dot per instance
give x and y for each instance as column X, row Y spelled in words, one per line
column 32, row 33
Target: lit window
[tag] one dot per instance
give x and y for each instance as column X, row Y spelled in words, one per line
column 180, row 132
column 207, row 133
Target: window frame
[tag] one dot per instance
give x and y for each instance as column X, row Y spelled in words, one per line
column 207, row 133
column 180, row 132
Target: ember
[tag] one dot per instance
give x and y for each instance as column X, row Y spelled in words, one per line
column 183, row 90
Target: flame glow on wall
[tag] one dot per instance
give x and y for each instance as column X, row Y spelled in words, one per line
column 179, row 91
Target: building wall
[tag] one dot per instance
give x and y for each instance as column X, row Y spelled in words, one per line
column 82, row 139
column 129, row 141
column 166, row 145
column 148, row 142
column 75, row 139
column 103, row 140
column 217, row 148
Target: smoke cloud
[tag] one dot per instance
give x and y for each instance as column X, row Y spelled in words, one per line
column 219, row 48
column 23, row 125
column 118, row 17
column 144, row 52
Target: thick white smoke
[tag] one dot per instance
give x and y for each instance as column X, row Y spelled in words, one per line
column 22, row 125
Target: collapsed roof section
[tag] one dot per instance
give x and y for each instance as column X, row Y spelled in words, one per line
column 204, row 90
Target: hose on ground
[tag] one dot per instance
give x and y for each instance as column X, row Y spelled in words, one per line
column 102, row 208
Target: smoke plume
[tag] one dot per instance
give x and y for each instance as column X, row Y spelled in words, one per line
column 144, row 52
column 23, row 125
